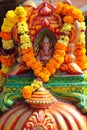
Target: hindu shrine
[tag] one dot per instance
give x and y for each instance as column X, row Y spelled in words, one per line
column 43, row 68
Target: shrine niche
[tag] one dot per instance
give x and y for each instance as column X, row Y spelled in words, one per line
column 45, row 21
column 43, row 68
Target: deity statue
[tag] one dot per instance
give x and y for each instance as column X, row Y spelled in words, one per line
column 45, row 50
column 50, row 46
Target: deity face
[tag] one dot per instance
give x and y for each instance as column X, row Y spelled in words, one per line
column 46, row 43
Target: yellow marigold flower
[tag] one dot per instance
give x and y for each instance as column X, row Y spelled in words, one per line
column 26, row 45
column 81, row 18
column 77, row 15
column 71, row 10
column 9, row 22
column 5, row 69
column 64, row 40
column 7, row 44
column 36, row 84
column 66, row 27
column 20, row 11
column 82, row 25
column 22, row 27
column 25, row 41
column 10, row 14
column 81, row 38
column 24, row 38
column 23, row 23
column 6, row 28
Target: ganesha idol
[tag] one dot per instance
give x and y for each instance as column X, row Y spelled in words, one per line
column 43, row 72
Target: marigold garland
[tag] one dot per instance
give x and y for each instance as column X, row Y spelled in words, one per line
column 18, row 17
column 12, row 17
column 29, row 57
column 45, row 72
column 80, row 49
column 70, row 13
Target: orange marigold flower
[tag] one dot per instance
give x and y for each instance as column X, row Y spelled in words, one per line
column 65, row 9
column 81, row 58
column 60, row 46
column 44, row 77
column 51, row 68
column 59, row 7
column 81, row 64
column 53, row 63
column 37, row 65
column 37, row 71
column 58, row 58
column 30, row 62
column 56, row 64
column 80, row 46
column 60, row 52
column 68, row 19
column 28, row 56
column 7, row 61
column 80, row 18
column 6, row 35
column 27, row 92
column 24, row 51
column 80, row 52
column 46, row 71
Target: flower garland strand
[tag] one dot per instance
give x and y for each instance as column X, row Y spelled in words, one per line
column 29, row 58
column 18, row 17
column 80, row 49
column 7, row 58
column 70, row 13
column 53, row 64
